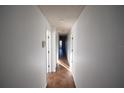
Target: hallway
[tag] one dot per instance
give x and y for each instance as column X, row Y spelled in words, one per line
column 33, row 38
column 62, row 78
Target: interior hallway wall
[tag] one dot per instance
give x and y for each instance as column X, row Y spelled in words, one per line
column 22, row 58
column 1, row 19
column 99, row 47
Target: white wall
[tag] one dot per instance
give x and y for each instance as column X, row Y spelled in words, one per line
column 99, row 47
column 22, row 58
column 0, row 47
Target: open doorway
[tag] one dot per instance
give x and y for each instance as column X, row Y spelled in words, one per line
column 62, row 54
column 62, row 45
column 62, row 77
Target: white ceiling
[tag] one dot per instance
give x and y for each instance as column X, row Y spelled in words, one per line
column 62, row 17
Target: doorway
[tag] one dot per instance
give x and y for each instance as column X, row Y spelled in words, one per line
column 62, row 45
column 62, row 55
column 62, row 78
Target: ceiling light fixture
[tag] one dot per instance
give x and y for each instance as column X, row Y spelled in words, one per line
column 61, row 20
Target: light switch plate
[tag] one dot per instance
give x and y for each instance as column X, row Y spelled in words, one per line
column 43, row 44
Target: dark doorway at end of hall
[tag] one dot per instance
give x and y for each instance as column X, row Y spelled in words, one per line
column 62, row 46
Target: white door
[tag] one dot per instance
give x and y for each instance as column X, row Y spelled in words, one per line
column 54, row 50
column 48, row 43
column 71, row 51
